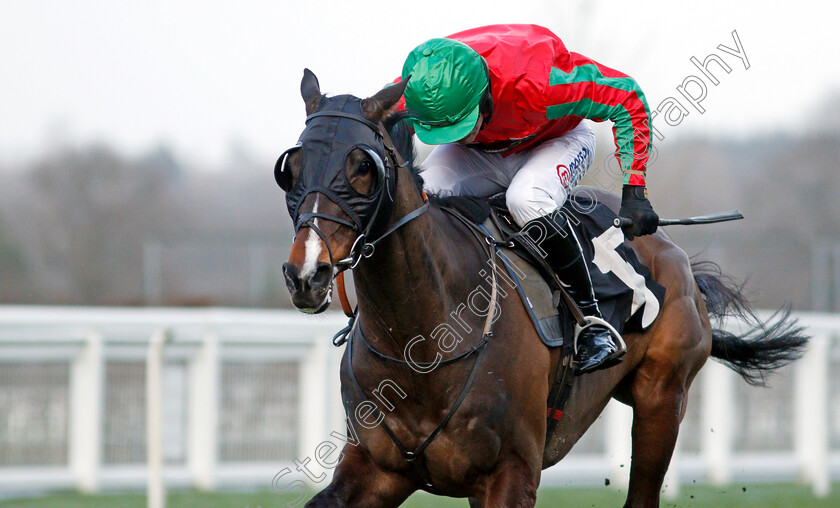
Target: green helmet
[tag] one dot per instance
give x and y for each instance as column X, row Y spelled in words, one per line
column 448, row 80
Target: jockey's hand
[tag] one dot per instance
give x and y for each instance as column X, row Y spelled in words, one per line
column 635, row 205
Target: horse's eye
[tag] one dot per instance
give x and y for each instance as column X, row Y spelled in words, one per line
column 365, row 168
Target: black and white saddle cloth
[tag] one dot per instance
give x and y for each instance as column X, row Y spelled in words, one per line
column 627, row 295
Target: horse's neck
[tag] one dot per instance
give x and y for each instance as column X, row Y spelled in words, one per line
column 414, row 280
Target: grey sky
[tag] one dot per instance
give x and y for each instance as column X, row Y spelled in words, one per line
column 200, row 74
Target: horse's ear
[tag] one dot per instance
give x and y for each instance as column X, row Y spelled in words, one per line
column 376, row 106
column 310, row 90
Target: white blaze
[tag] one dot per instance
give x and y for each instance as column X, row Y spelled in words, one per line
column 313, row 247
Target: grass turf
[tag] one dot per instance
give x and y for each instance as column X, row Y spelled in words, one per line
column 692, row 496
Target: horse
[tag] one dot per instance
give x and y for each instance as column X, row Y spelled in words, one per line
column 474, row 426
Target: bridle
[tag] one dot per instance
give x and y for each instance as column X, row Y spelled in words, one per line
column 368, row 232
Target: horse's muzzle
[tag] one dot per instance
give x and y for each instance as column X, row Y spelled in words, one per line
column 310, row 290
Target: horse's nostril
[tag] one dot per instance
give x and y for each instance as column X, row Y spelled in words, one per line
column 292, row 275
column 322, row 277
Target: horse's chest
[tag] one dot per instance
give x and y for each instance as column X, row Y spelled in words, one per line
column 466, row 446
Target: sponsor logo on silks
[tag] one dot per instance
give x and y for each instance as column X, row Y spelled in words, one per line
column 570, row 173
column 563, row 174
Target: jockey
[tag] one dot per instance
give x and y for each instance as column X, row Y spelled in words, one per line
column 506, row 103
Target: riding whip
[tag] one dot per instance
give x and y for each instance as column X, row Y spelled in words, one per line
column 702, row 219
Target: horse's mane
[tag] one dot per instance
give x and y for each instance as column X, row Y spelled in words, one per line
column 403, row 137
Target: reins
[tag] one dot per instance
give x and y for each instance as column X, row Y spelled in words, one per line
column 366, row 252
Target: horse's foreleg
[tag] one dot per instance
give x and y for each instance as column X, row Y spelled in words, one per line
column 513, row 485
column 358, row 482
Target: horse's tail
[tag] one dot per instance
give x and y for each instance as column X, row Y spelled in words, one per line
column 765, row 346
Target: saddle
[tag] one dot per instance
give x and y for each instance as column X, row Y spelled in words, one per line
column 627, row 295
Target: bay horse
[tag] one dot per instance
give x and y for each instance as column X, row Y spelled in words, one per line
column 477, row 423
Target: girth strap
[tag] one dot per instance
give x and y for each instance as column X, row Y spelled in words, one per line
column 561, row 390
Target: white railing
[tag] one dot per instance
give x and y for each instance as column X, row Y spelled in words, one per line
column 207, row 363
column 94, row 398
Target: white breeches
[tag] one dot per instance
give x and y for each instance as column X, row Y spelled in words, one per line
column 536, row 181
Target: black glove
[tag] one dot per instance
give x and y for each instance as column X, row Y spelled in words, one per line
column 635, row 205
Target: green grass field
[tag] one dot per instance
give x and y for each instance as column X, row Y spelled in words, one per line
column 694, row 496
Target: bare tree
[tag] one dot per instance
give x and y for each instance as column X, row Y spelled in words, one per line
column 88, row 211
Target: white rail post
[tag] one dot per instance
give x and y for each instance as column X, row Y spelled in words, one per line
column 619, row 442
column 812, row 414
column 716, row 429
column 156, row 489
column 313, row 400
column 85, row 449
column 204, row 413
column 335, row 407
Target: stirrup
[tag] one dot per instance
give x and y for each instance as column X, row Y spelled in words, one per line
column 592, row 320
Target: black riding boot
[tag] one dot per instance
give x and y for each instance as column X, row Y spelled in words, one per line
column 557, row 241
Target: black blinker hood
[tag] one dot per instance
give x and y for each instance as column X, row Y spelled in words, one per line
column 329, row 137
